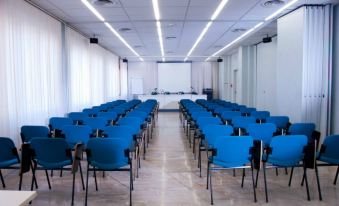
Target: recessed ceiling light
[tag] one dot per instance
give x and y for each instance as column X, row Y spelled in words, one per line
column 104, row 3
column 238, row 30
column 125, row 29
column 170, row 37
column 170, row 25
column 272, row 3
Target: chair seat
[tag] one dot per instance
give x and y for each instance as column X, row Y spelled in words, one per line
column 109, row 166
column 280, row 163
column 328, row 160
column 227, row 164
column 54, row 165
column 8, row 163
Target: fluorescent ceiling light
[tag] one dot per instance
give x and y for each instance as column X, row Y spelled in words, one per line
column 157, row 18
column 218, row 10
column 93, row 10
column 280, row 10
column 236, row 40
column 97, row 14
column 208, row 25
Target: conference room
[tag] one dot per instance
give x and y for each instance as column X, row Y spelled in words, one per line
column 169, row 102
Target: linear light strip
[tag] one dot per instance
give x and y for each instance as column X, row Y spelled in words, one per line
column 270, row 17
column 158, row 23
column 208, row 25
column 236, row 40
column 281, row 10
column 110, row 27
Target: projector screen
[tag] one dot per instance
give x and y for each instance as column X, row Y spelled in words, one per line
column 174, row 77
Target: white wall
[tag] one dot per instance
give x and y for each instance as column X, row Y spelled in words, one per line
column 266, row 76
column 290, row 64
column 202, row 75
column 335, row 79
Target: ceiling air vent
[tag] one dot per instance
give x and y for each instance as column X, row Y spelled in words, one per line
column 104, row 3
column 125, row 29
column 272, row 3
column 239, row 30
column 170, row 37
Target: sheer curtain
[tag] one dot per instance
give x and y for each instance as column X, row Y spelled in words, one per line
column 317, row 63
column 123, row 80
column 112, row 83
column 30, row 66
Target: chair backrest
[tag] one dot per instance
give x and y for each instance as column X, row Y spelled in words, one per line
column 203, row 121
column 228, row 115
column 263, row 132
column 8, row 154
column 331, row 149
column 213, row 131
column 130, row 121
column 107, row 153
column 77, row 133
column 59, row 122
column 233, row 151
column 77, row 117
column 260, row 115
column 30, row 131
column 50, row 150
column 95, row 123
column 242, row 122
column 124, row 132
column 287, row 150
column 302, row 129
column 280, row 121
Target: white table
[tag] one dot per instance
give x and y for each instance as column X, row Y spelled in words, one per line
column 170, row 101
column 16, row 198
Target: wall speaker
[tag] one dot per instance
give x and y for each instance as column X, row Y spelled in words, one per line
column 219, row 60
column 267, row 40
column 124, row 60
column 93, row 40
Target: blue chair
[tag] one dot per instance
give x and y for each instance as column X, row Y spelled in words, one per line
column 227, row 116
column 111, row 117
column 97, row 124
column 246, row 111
column 209, row 134
column 260, row 116
column 108, row 154
column 302, row 129
column 231, row 152
column 30, row 131
column 263, row 132
column 75, row 134
column 77, row 117
column 286, row 151
column 57, row 123
column 328, row 156
column 53, row 154
column 9, row 156
column 281, row 122
column 240, row 124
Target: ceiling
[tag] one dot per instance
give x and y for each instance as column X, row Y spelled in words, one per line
column 182, row 19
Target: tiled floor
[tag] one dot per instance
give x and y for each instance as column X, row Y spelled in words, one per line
column 169, row 176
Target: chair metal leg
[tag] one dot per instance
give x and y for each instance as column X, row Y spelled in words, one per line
column 256, row 179
column 61, row 172
column 86, row 185
column 276, row 172
column 286, row 172
column 254, row 186
column 211, row 189
column 233, row 172
column 2, row 180
column 35, row 181
column 20, row 181
column 95, row 179
column 33, row 176
column 199, row 160
column 51, row 173
column 306, row 182
column 49, row 184
column 289, row 182
column 208, row 173
column 264, row 168
column 73, row 189
column 318, row 182
column 130, row 186
column 243, row 177
column 131, row 175
column 336, row 176
column 82, row 178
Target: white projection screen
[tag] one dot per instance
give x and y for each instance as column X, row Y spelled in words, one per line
column 174, row 77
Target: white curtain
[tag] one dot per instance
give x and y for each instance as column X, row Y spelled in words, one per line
column 201, row 76
column 317, row 64
column 93, row 73
column 30, row 67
